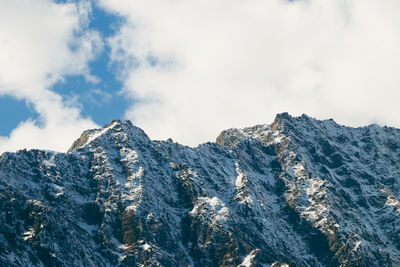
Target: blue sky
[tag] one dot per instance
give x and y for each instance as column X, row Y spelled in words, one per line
column 190, row 69
column 101, row 101
column 13, row 112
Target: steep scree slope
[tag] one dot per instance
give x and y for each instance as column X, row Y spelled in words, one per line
column 300, row 192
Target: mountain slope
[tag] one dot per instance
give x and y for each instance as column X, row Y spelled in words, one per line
column 300, row 191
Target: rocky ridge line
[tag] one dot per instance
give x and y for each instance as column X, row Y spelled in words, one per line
column 300, row 192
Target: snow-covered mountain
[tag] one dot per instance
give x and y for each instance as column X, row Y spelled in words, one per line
column 297, row 192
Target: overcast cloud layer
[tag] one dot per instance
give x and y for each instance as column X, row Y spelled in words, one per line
column 193, row 68
column 199, row 67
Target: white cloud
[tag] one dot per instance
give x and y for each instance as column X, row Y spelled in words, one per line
column 40, row 43
column 233, row 63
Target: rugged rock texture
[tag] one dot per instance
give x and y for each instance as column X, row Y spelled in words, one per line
column 298, row 192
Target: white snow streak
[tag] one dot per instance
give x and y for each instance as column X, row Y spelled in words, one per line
column 219, row 211
column 27, row 235
column 248, row 260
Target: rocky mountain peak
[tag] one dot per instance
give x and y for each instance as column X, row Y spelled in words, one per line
column 297, row 192
column 112, row 130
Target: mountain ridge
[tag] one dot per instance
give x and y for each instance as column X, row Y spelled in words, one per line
column 299, row 191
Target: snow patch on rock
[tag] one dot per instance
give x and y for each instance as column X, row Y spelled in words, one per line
column 213, row 206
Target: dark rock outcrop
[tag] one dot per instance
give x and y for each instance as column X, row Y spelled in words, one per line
column 298, row 192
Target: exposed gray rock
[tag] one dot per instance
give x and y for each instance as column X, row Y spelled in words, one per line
column 298, row 192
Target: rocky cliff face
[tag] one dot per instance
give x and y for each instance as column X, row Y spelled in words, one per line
column 298, row 192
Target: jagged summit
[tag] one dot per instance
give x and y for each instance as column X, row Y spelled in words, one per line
column 282, row 119
column 267, row 132
column 90, row 135
column 299, row 191
column 116, row 126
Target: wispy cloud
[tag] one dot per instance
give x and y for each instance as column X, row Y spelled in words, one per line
column 230, row 63
column 192, row 68
column 40, row 43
